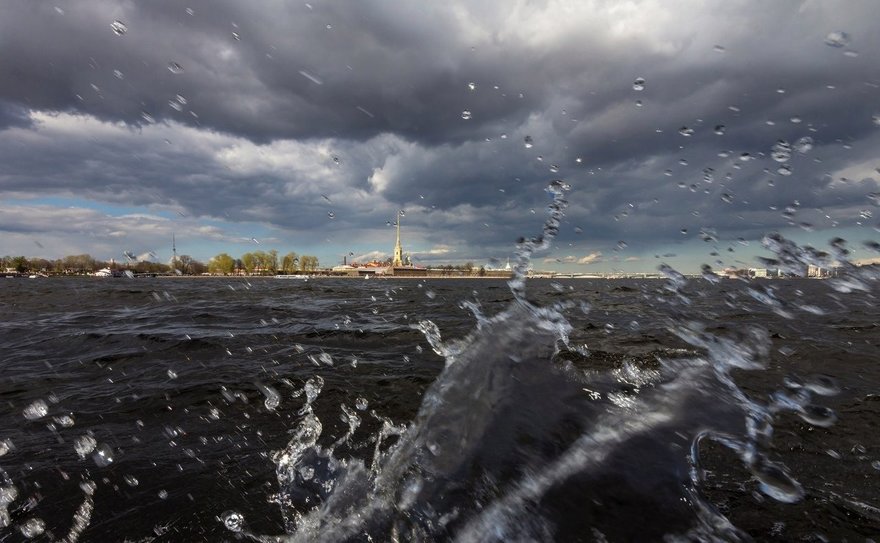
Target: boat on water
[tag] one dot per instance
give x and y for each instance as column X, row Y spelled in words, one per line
column 301, row 277
column 107, row 272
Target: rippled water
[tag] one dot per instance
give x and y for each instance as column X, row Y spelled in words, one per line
column 570, row 415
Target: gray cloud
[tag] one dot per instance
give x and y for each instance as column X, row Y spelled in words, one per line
column 286, row 114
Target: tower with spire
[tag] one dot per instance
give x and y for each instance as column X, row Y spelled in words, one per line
column 173, row 252
column 398, row 249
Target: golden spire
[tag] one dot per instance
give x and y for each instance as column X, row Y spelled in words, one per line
column 398, row 250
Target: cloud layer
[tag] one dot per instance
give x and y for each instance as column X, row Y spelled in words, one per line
column 313, row 124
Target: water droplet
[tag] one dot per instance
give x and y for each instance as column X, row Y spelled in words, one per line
column 331, row 215
column 118, row 74
column 818, row 415
column 175, row 68
column 466, row 115
column 837, row 39
column 639, row 84
column 796, row 120
column 131, row 480
column 103, row 455
column 36, row 410
column 32, row 527
column 683, row 161
column 685, row 131
column 876, row 465
column 822, row 385
column 639, row 103
column 719, row 49
column 147, row 117
column 529, row 143
column 5, row 446
column 781, row 151
column 776, row 482
column 190, row 11
column 236, row 36
column 876, row 119
column 785, row 170
column 65, row 421
column 163, row 494
column 172, row 374
column 233, row 520
column 89, row 487
column 804, row 145
column 719, row 129
column 175, row 105
column 554, row 168
column 118, row 28
column 84, row 445
column 472, row 85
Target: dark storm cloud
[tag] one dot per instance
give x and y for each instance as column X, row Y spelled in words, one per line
column 287, row 114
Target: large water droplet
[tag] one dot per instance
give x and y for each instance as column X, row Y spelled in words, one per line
column 720, row 129
column 233, row 520
column 103, row 455
column 639, row 84
column 685, row 131
column 837, row 39
column 36, row 410
column 528, row 142
column 466, row 115
column 804, row 145
column 118, row 28
column 5, row 446
column 785, row 170
column 776, row 482
column 84, row 445
column 818, row 415
column 781, row 151
column 32, row 527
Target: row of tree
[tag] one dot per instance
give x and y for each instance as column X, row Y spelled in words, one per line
column 262, row 263
column 255, row 263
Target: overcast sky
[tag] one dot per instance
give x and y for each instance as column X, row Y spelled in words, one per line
column 307, row 126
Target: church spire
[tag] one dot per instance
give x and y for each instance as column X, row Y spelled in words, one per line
column 398, row 249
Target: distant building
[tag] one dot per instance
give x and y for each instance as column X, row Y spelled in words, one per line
column 758, row 272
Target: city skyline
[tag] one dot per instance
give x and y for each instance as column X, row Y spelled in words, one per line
column 686, row 131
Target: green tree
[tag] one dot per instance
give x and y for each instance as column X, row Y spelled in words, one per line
column 221, row 264
column 272, row 261
column 249, row 262
column 289, row 262
column 308, row 263
column 20, row 264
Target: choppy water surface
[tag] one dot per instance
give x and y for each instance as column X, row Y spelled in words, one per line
column 437, row 410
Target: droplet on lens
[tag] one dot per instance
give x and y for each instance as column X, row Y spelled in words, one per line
column 118, row 28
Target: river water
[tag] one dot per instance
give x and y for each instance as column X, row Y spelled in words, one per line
column 438, row 410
